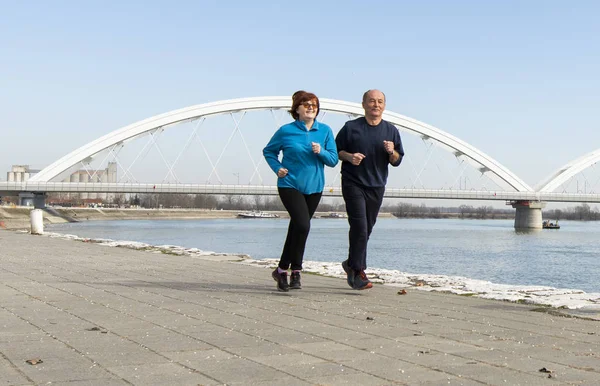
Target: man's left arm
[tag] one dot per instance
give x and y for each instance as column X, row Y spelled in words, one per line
column 395, row 158
column 398, row 153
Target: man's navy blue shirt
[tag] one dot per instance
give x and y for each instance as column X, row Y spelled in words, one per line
column 357, row 136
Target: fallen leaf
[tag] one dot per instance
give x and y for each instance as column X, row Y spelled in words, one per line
column 402, row 292
column 102, row 331
column 34, row 361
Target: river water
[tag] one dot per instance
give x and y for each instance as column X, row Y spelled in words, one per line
column 489, row 250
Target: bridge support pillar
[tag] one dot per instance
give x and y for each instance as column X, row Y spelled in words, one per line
column 37, row 199
column 529, row 214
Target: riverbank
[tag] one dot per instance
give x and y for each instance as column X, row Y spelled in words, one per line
column 19, row 217
column 80, row 312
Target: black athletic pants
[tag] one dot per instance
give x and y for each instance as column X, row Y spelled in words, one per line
column 362, row 205
column 301, row 208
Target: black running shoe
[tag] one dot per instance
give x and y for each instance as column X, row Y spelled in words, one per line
column 349, row 273
column 295, row 281
column 281, row 279
column 361, row 281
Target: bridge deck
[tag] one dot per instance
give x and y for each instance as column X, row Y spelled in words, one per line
column 13, row 188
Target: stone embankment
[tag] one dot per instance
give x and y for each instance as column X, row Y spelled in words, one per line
column 19, row 217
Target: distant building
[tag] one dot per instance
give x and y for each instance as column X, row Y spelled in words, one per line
column 20, row 173
column 108, row 175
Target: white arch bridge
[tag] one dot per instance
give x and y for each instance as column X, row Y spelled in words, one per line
column 508, row 186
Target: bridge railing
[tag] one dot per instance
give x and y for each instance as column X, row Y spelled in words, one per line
column 14, row 188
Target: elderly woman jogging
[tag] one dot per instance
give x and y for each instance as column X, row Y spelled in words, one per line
column 307, row 146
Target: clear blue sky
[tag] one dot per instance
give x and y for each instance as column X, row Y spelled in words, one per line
column 516, row 79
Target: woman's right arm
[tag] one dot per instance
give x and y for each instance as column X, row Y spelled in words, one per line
column 271, row 151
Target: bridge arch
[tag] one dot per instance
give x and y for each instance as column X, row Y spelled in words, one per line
column 136, row 129
column 564, row 173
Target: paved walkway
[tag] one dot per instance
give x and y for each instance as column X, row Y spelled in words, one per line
column 96, row 315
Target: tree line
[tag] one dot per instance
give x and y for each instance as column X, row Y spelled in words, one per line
column 581, row 212
column 406, row 210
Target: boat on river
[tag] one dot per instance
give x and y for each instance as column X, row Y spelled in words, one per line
column 257, row 214
column 335, row 215
column 550, row 225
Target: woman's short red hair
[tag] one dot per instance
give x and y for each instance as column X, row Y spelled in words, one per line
column 300, row 97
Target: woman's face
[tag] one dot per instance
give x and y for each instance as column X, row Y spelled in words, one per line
column 307, row 110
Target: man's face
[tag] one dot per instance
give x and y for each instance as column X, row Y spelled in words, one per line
column 374, row 104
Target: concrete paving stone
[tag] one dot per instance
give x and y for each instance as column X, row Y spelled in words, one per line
column 238, row 370
column 284, row 360
column 19, row 329
column 123, row 326
column 287, row 338
column 371, row 344
column 582, row 360
column 68, row 324
column 202, row 328
column 396, row 369
column 349, row 379
column 121, row 353
column 194, row 359
column 355, row 338
column 434, row 359
column 263, row 349
column 349, row 356
column 562, row 343
column 450, row 381
column 240, row 324
column 169, row 341
column 494, row 357
column 172, row 320
column 93, row 313
column 60, row 368
column 7, row 338
column 162, row 374
column 532, row 366
column 93, row 382
column 88, row 341
column 182, row 307
column 11, row 376
column 445, row 345
column 493, row 375
column 412, row 354
column 321, row 346
column 210, row 336
column 223, row 319
column 232, row 339
column 36, row 311
column 47, row 347
column 475, row 339
column 392, row 332
column 280, row 380
column 316, row 370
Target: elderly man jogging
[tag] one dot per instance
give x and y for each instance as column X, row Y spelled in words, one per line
column 366, row 146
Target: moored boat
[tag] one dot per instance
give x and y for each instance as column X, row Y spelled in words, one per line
column 335, row 215
column 550, row 225
column 257, row 214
